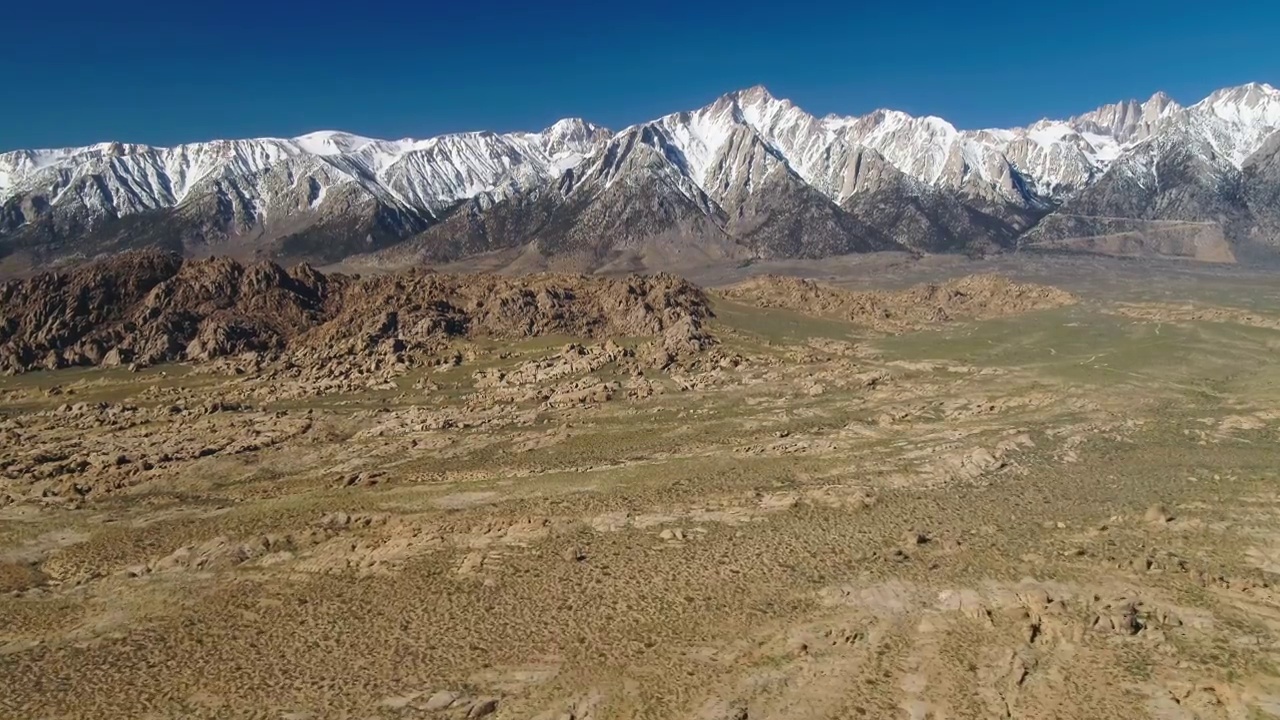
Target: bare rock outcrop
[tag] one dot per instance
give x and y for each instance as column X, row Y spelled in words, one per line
column 151, row 307
column 972, row 297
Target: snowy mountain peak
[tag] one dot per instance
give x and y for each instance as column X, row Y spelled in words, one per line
column 1128, row 121
column 1236, row 121
column 1243, row 92
column 330, row 142
column 571, row 139
column 573, row 129
column 754, row 95
column 1159, row 105
column 1246, row 104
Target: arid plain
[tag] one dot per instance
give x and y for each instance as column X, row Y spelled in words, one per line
column 1050, row 496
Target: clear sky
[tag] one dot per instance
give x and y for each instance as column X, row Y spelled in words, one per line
column 78, row 72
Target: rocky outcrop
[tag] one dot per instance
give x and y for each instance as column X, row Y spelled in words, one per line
column 968, row 298
column 153, row 307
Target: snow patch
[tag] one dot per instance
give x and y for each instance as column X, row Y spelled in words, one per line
column 330, row 142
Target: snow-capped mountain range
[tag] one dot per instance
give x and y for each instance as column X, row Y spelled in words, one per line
column 118, row 179
column 888, row 178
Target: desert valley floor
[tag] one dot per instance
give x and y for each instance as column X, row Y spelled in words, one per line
column 976, row 499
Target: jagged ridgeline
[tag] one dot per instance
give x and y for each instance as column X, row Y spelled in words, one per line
column 148, row 307
column 748, row 176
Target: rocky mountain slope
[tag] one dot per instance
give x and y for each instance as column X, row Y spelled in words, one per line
column 150, row 307
column 748, row 176
column 1194, row 184
column 324, row 195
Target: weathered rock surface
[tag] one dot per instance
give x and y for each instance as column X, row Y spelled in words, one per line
column 153, row 307
column 967, row 298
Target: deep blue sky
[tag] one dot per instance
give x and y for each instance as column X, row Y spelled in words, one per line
column 77, row 72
